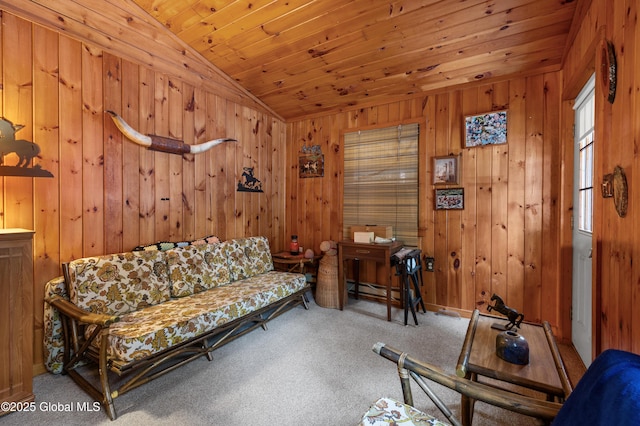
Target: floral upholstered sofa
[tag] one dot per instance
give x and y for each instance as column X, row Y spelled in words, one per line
column 141, row 313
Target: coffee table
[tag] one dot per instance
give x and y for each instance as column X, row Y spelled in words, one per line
column 545, row 372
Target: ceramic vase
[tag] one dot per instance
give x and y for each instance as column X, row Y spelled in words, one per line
column 512, row 347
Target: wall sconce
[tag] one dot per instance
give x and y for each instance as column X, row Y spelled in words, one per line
column 607, row 185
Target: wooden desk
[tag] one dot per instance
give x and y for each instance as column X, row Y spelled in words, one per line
column 545, row 372
column 379, row 253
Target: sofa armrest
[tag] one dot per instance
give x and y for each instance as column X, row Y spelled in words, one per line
column 72, row 311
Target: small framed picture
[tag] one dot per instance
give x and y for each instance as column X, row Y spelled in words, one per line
column 311, row 165
column 450, row 199
column 485, row 129
column 446, row 170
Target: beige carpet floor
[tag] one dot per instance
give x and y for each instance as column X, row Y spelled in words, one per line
column 312, row 367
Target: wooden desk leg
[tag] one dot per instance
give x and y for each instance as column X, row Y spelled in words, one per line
column 341, row 279
column 387, row 266
column 356, row 276
column 466, row 405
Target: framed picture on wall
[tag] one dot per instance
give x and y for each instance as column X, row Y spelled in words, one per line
column 446, row 170
column 485, row 129
column 311, row 165
column 449, row 199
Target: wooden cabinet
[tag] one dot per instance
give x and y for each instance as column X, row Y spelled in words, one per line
column 16, row 316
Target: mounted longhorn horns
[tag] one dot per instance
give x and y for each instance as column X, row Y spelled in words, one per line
column 161, row 143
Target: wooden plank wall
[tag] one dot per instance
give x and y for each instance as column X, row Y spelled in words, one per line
column 506, row 240
column 616, row 241
column 108, row 194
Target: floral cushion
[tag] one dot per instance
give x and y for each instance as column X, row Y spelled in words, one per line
column 248, row 257
column 137, row 286
column 387, row 411
column 53, row 338
column 117, row 284
column 141, row 333
column 196, row 268
column 166, row 245
column 211, row 239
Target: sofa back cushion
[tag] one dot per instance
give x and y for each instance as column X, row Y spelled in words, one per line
column 166, row 245
column 195, row 268
column 248, row 257
column 116, row 284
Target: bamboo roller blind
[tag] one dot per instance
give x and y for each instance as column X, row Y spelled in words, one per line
column 381, row 180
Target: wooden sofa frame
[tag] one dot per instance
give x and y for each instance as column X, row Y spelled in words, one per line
column 80, row 351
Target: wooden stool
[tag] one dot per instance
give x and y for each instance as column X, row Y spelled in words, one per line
column 409, row 267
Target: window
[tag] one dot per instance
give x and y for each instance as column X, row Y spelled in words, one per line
column 585, row 113
column 381, row 180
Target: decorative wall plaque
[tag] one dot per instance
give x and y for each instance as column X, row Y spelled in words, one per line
column 25, row 151
column 249, row 183
column 311, row 161
column 620, row 196
column 609, row 70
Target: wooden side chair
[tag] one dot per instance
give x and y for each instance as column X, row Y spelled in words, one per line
column 607, row 394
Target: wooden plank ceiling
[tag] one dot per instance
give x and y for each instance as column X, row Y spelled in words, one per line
column 305, row 57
